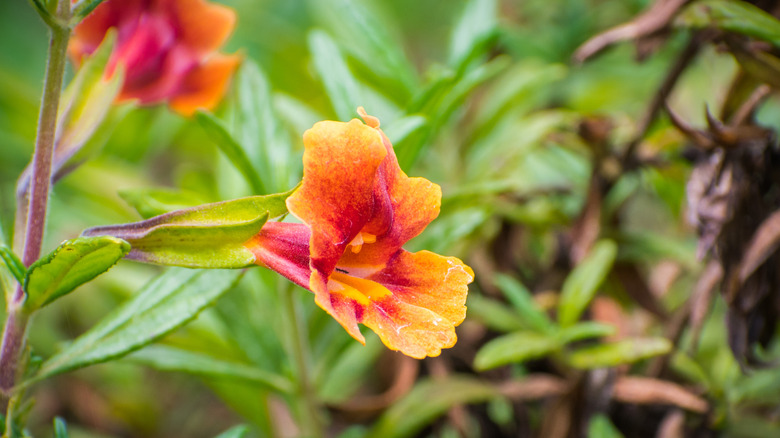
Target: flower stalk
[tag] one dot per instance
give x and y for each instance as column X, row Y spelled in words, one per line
column 309, row 414
column 16, row 320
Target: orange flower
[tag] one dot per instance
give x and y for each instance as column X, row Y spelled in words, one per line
column 358, row 209
column 167, row 48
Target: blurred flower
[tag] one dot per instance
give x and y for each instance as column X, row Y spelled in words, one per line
column 166, row 47
column 359, row 208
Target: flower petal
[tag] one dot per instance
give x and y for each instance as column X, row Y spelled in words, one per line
column 284, row 248
column 336, row 198
column 202, row 26
column 204, row 86
column 413, row 304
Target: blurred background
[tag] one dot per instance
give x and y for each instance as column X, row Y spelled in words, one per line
column 560, row 179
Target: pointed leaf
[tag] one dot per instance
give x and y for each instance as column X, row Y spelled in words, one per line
column 618, row 353
column 523, row 301
column 156, row 201
column 163, row 305
column 494, row 314
column 72, row 264
column 239, row 431
column 514, row 348
column 429, row 400
column 207, row 236
column 253, row 122
column 341, row 86
column 583, row 282
column 366, row 35
column 15, row 266
column 60, row 428
column 477, row 23
column 584, row 330
column 166, row 358
column 230, row 147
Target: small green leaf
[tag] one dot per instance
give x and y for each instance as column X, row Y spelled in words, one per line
column 523, row 301
column 601, row 427
column 234, row 432
column 163, row 305
column 13, row 263
column 493, row 314
column 583, row 282
column 342, row 378
column 427, row 401
column 733, row 16
column 253, row 122
column 207, row 236
column 584, row 330
column 477, row 23
column 166, row 358
column 365, row 34
column 618, row 353
column 149, row 202
column 60, row 428
column 514, row 348
column 341, row 86
column 82, row 9
column 231, row 148
column 72, row 264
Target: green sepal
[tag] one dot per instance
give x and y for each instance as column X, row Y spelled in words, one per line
column 72, row 264
column 206, row 236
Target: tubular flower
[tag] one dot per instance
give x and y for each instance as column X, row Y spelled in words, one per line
column 166, row 47
column 358, row 209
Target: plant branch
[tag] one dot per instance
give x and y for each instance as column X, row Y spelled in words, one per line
column 16, row 320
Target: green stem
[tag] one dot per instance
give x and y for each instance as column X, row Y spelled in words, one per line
column 16, row 319
column 311, row 421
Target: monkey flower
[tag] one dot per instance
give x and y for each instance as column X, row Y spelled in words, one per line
column 166, row 47
column 358, row 209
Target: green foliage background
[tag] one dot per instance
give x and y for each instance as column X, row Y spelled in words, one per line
column 478, row 96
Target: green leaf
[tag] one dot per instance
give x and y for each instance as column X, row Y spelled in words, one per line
column 493, row 314
column 429, row 400
column 149, row 202
column 583, row 282
column 618, row 353
column 523, row 301
column 600, row 427
column 82, row 9
column 514, row 348
column 207, row 236
column 166, row 358
column 341, row 86
column 72, row 264
column 344, row 377
column 231, row 148
column 366, row 35
column 60, row 428
column 13, row 263
column 584, row 330
column 234, row 432
column 733, row 16
column 163, row 305
column 477, row 23
column 255, row 125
